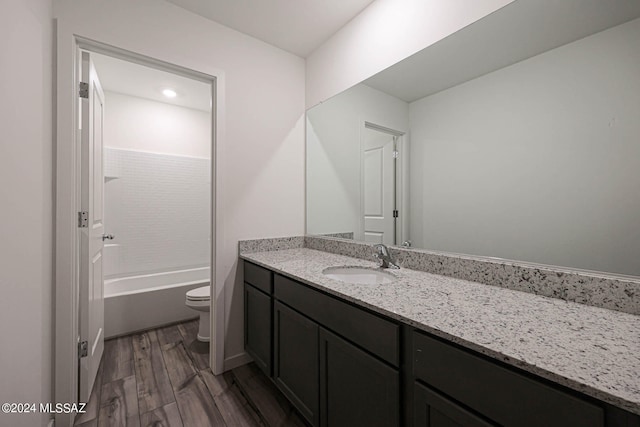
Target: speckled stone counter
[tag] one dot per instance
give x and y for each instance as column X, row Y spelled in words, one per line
column 589, row 349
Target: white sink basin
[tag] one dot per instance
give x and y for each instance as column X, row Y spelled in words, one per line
column 359, row 275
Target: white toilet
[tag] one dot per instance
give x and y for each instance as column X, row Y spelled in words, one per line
column 200, row 299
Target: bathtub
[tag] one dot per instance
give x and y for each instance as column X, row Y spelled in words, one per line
column 136, row 303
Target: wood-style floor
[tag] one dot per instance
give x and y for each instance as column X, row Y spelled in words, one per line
column 162, row 378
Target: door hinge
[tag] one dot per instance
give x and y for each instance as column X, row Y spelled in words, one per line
column 84, row 90
column 396, row 154
column 395, row 213
column 83, row 219
column 83, row 349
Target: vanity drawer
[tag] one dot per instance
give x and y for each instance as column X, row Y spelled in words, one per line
column 373, row 333
column 259, row 277
column 498, row 393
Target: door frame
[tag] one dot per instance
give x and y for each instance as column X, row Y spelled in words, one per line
column 67, row 204
column 400, row 177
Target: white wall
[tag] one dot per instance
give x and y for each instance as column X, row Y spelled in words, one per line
column 261, row 148
column 539, row 161
column 26, row 192
column 384, row 33
column 140, row 124
column 333, row 155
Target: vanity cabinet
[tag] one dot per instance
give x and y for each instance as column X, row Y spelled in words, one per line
column 488, row 393
column 372, row 332
column 341, row 364
column 338, row 364
column 258, row 287
column 296, row 360
column 357, row 389
column 431, row 409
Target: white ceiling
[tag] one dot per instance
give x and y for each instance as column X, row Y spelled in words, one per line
column 518, row 31
column 144, row 82
column 297, row 26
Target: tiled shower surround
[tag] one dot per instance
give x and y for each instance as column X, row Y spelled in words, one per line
column 595, row 289
column 158, row 208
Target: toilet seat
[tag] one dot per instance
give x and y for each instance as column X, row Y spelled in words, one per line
column 199, row 294
column 199, row 299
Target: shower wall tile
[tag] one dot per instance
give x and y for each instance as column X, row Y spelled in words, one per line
column 158, row 207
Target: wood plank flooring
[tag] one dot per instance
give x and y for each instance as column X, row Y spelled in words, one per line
column 162, row 378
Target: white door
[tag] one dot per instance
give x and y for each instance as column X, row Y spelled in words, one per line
column 379, row 186
column 91, row 298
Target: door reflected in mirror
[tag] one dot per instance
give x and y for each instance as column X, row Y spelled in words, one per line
column 381, row 188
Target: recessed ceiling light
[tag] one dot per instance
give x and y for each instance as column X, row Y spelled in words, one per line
column 169, row 93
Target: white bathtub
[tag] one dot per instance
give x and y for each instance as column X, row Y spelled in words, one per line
column 141, row 302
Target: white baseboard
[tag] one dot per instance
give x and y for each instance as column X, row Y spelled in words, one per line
column 237, row 360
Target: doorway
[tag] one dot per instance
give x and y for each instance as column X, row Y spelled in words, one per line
column 381, row 184
column 146, row 156
column 90, row 247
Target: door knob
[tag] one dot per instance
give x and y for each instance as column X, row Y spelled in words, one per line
column 108, row 237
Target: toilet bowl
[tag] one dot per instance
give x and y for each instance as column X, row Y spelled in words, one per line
column 200, row 299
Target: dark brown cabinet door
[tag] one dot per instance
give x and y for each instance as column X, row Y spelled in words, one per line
column 499, row 393
column 257, row 327
column 434, row 410
column 356, row 389
column 296, row 360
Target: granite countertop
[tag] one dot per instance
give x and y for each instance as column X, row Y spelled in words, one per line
column 589, row 349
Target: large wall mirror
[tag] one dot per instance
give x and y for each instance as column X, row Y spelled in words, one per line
column 517, row 137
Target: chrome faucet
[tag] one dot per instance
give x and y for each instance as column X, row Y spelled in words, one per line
column 383, row 254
